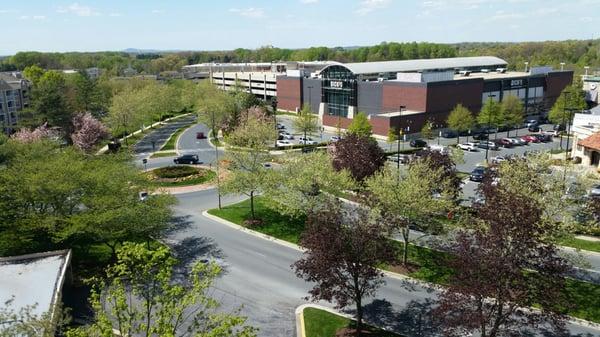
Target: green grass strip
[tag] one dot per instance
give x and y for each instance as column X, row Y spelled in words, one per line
column 593, row 246
column 321, row 323
column 427, row 264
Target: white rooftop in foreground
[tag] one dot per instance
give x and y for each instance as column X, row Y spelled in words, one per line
column 34, row 279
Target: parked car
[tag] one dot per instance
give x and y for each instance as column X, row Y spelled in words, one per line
column 306, row 141
column 503, row 142
column 402, row 158
column 534, row 128
column 498, row 159
column 516, row 141
column 468, row 146
column 335, row 138
column 543, row 138
column 284, row 143
column 477, row 174
column 550, row 133
column 187, row 159
column 449, row 134
column 439, row 148
column 531, row 122
column 286, row 135
column 487, row 145
column 481, row 136
column 418, row 143
column 558, row 127
column 280, row 126
column 530, row 139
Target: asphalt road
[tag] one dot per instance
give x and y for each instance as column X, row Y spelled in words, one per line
column 257, row 276
column 158, row 137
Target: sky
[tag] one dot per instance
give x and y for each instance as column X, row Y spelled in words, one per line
column 48, row 25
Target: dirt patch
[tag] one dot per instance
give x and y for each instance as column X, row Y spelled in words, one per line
column 404, row 270
column 252, row 223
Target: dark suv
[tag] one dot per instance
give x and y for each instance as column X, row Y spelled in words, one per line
column 418, row 143
column 477, row 174
column 187, row 159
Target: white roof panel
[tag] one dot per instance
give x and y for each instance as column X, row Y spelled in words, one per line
column 423, row 64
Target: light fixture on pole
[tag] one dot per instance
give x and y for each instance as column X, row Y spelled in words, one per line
column 586, row 70
column 487, row 148
column 526, row 66
column 562, row 66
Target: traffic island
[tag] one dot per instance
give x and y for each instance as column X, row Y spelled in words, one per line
column 317, row 321
column 181, row 175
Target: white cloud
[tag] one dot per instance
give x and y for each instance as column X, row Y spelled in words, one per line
column 79, row 10
column 307, row 2
column 254, row 13
column 367, row 6
column 502, row 15
column 33, row 17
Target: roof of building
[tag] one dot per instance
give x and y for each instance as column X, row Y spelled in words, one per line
column 5, row 85
column 424, row 64
column 595, row 110
column 33, row 280
column 591, row 142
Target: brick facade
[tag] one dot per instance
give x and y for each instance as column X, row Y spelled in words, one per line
column 289, row 93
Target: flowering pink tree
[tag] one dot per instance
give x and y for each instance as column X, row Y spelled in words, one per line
column 25, row 135
column 88, row 131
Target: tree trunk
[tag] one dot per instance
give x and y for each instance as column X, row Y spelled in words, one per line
column 359, row 316
column 405, row 237
column 113, row 250
column 252, row 205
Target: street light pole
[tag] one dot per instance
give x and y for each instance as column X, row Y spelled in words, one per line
column 487, row 148
column 216, row 136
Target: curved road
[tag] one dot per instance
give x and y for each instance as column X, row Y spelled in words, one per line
column 257, row 273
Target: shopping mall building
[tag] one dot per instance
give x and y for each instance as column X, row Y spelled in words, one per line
column 394, row 94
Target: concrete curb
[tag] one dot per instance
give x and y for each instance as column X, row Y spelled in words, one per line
column 581, row 251
column 300, row 328
column 390, row 274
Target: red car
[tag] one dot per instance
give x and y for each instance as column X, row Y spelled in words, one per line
column 504, row 143
column 530, row 139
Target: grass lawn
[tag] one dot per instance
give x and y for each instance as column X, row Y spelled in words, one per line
column 163, row 154
column 274, row 223
column 426, row 264
column 321, row 323
column 170, row 144
column 593, row 246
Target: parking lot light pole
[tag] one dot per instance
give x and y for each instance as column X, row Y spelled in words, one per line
column 487, row 147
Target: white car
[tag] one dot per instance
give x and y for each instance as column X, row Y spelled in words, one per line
column 468, row 146
column 439, row 148
column 517, row 141
column 498, row 159
column 306, row 141
column 284, row 143
column 335, row 138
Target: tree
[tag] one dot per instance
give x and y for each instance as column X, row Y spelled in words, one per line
column 361, row 156
column 571, row 100
column 460, row 120
column 427, row 130
column 503, row 267
column 392, row 137
column 87, row 131
column 248, row 174
column 400, row 198
column 33, row 73
column 513, row 111
column 139, row 297
column 126, row 111
column 26, row 323
column 491, row 114
column 57, row 197
column 305, row 182
column 360, row 126
column 49, row 101
column 448, row 177
column 306, row 122
column 89, row 97
column 42, row 132
column 342, row 254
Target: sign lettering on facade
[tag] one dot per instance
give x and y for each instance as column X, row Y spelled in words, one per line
column 516, row 83
column 337, row 84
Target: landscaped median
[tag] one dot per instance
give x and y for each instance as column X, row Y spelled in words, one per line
column 181, row 175
column 321, row 322
column 425, row 264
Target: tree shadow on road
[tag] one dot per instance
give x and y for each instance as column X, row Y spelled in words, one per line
column 413, row 320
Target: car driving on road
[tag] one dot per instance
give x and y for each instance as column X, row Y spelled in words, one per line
column 187, row 159
column 477, row 174
column 418, row 143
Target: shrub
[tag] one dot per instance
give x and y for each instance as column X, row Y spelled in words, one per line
column 171, row 172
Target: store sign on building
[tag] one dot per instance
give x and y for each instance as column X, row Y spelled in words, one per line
column 337, row 84
column 517, row 83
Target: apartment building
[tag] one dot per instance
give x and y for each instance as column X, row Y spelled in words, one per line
column 14, row 96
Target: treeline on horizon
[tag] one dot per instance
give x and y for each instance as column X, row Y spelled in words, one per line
column 575, row 53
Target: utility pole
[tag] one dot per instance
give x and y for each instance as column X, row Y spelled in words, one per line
column 216, row 136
